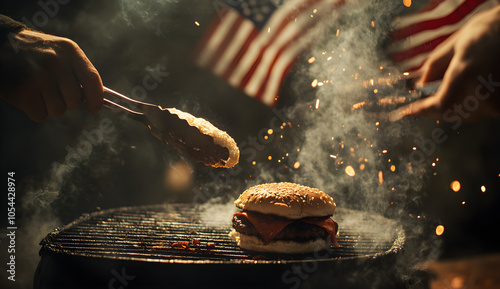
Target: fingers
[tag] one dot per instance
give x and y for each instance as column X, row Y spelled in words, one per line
column 54, row 103
column 428, row 106
column 455, row 85
column 89, row 79
column 437, row 63
column 69, row 87
column 60, row 76
column 31, row 102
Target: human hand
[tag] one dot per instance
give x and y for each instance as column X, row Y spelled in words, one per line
column 468, row 63
column 45, row 75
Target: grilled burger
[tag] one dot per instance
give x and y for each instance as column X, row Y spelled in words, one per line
column 284, row 218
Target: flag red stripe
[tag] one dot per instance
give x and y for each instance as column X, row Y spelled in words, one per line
column 263, row 85
column 304, row 30
column 426, row 47
column 283, row 75
column 432, row 4
column 240, row 54
column 285, row 22
column 452, row 18
column 208, row 34
column 225, row 43
column 284, row 47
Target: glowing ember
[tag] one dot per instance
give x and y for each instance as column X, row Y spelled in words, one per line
column 179, row 176
column 406, row 73
column 338, row 31
column 373, row 24
column 439, row 230
column 483, row 189
column 317, row 103
column 254, row 163
column 197, row 23
column 350, row 171
column 393, row 168
column 269, row 131
column 296, row 165
column 384, row 151
column 407, row 3
column 455, row 186
column 463, row 203
column 269, row 157
column 333, row 156
column 380, row 177
column 458, row 282
column 312, row 59
column 314, row 83
column 362, row 166
column 358, row 105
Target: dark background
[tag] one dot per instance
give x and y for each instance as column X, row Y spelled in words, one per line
column 122, row 39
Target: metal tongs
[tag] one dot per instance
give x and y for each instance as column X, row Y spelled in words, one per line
column 167, row 126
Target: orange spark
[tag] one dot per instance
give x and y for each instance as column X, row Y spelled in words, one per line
column 439, row 230
column 455, row 186
column 350, row 171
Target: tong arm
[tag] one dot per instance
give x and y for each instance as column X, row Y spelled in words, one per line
column 140, row 105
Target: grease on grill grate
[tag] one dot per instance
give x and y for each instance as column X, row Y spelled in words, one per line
column 176, row 234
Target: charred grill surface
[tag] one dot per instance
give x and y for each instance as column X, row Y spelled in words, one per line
column 179, row 234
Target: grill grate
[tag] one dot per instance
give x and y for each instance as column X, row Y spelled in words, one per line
column 152, row 233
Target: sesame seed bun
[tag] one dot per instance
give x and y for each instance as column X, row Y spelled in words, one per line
column 287, row 200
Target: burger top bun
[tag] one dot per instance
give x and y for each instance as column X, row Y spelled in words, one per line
column 287, row 200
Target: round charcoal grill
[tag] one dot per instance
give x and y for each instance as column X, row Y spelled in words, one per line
column 182, row 246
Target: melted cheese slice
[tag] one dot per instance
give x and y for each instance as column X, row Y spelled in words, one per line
column 269, row 226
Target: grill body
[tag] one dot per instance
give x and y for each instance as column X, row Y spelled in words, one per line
column 179, row 246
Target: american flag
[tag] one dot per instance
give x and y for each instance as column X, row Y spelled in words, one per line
column 414, row 36
column 254, row 43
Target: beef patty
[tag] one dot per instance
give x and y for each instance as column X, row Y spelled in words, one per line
column 297, row 230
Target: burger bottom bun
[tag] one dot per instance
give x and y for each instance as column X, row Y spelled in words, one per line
column 253, row 243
